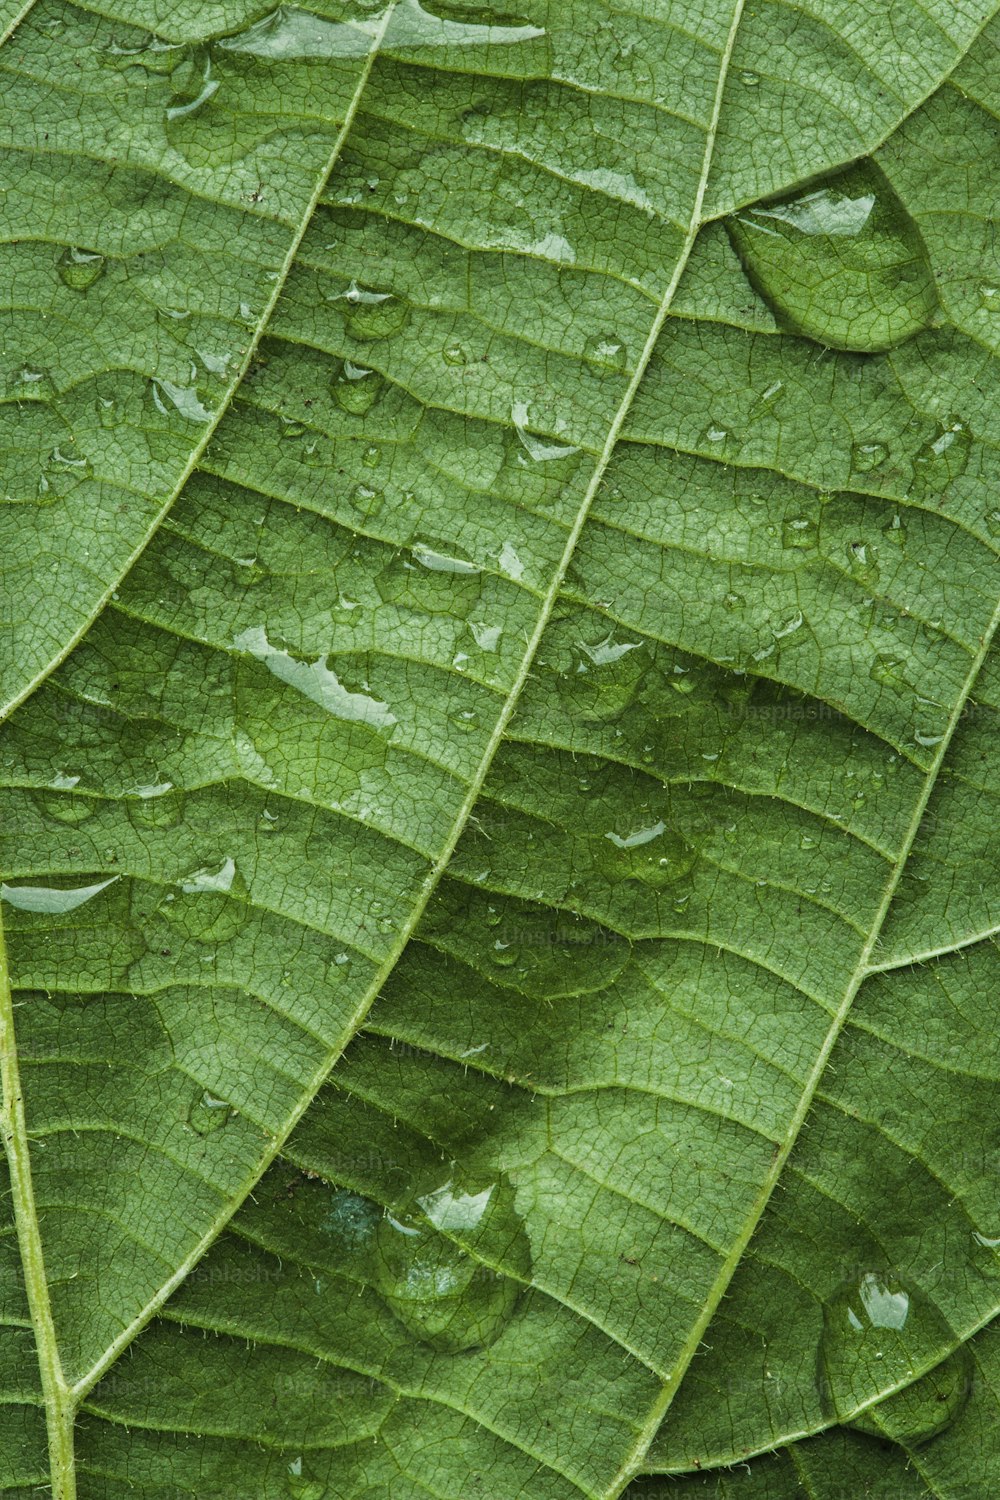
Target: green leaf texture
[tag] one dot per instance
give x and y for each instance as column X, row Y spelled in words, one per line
column 497, row 781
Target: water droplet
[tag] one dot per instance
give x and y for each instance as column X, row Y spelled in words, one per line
column 300, row 1484
column 862, row 560
column 806, row 841
column 30, row 383
column 603, row 679
column 651, row 853
column 181, row 399
column 842, row 263
column 208, row 905
column 942, row 459
column 539, row 450
column 454, row 354
column 316, row 681
column 371, row 315
column 208, row 1114
column 750, row 80
column 293, row 429
column 63, row 805
column 877, row 1330
column 992, row 519
column 423, row 1269
column 79, row 269
column 52, row 900
column 799, row 531
column 868, row 456
column 356, row 388
column 159, row 806
column 733, row 601
column 787, row 626
column 434, row 577
column 372, row 456
column 895, row 530
column 889, row 670
column 928, row 738
column 765, row 404
column 606, row 349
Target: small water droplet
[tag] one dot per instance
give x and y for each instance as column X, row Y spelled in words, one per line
column 889, row 670
column 607, row 350
column 372, row 456
column 750, row 80
column 208, row 1114
column 209, row 904
column 877, row 1329
column 293, row 429
column 868, row 456
column 79, row 269
column 942, row 459
column 733, row 601
column 454, row 354
column 356, row 388
column 842, row 263
column 800, row 532
column 895, row 530
column 30, row 383
column 444, row 1295
column 992, row 519
column 862, row 560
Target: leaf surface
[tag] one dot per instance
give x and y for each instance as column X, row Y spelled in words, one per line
column 438, row 575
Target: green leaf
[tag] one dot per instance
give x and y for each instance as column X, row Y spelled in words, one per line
column 496, row 775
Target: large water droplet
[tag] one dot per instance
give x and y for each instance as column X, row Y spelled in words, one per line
column 156, row 806
column 182, row 400
column 942, row 458
column 842, row 263
column 603, row 678
column 879, row 1331
column 442, row 1294
column 208, row 905
column 606, row 350
column 79, row 269
column 799, row 532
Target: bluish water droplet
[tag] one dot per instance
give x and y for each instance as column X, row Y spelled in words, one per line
column 651, row 853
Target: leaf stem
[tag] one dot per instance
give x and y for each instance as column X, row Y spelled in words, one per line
column 59, row 1404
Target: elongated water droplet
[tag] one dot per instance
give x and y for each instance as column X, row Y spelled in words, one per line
column 52, row 900
column 440, row 1292
column 183, row 400
column 842, row 263
column 879, row 1331
column 156, row 806
column 79, row 269
column 434, row 577
column 65, row 806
